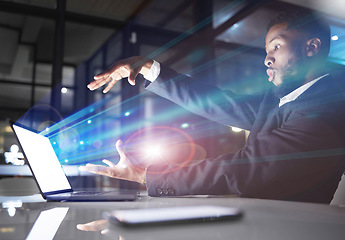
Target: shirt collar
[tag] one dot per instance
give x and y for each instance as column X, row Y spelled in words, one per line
column 297, row 92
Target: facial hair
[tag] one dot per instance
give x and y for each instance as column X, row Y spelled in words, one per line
column 284, row 89
column 292, row 77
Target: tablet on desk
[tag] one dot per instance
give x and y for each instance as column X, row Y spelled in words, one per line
column 158, row 216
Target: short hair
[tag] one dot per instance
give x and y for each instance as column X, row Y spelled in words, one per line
column 310, row 22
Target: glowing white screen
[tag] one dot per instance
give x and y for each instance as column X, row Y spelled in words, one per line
column 43, row 160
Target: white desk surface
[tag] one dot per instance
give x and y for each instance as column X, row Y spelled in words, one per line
column 262, row 219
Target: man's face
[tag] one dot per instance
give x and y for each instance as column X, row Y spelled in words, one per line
column 286, row 55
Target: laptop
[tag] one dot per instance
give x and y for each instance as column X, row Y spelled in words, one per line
column 49, row 175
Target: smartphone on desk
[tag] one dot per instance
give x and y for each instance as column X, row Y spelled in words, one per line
column 172, row 215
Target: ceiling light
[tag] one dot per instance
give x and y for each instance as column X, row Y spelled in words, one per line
column 64, row 90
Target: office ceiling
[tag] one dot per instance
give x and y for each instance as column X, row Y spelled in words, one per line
column 20, row 33
column 81, row 40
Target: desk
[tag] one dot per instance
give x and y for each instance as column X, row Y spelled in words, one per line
column 11, row 170
column 262, row 219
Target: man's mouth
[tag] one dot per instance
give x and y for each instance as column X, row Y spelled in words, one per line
column 270, row 72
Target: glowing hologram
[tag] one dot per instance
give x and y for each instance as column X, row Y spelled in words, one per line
column 164, row 141
column 93, row 125
column 47, row 112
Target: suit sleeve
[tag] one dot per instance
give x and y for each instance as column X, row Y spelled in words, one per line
column 291, row 163
column 206, row 100
column 302, row 159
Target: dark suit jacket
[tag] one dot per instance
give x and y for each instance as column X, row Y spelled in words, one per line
column 295, row 152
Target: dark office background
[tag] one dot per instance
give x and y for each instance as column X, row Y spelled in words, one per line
column 51, row 49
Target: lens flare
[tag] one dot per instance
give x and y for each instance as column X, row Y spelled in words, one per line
column 153, row 151
column 45, row 111
column 177, row 154
column 97, row 143
column 160, row 145
column 45, row 125
column 68, row 140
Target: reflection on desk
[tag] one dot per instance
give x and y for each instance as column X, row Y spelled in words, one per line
column 47, row 223
column 262, row 219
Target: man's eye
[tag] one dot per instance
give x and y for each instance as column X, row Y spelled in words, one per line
column 276, row 47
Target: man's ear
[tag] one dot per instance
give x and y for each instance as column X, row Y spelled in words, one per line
column 313, row 46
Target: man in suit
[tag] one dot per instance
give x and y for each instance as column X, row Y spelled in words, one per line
column 295, row 150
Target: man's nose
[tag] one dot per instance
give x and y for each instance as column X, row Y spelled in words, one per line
column 269, row 60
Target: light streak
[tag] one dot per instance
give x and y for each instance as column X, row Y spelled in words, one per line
column 100, row 133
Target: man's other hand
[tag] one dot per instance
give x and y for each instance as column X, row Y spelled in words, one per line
column 123, row 170
column 129, row 67
column 95, row 226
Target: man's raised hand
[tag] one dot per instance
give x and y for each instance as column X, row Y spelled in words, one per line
column 129, row 67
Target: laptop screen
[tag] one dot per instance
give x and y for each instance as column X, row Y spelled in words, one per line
column 43, row 161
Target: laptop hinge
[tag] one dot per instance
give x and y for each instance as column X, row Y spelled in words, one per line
column 57, row 192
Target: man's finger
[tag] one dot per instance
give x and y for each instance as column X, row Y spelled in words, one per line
column 93, row 226
column 109, row 163
column 99, row 169
column 133, row 75
column 98, row 83
column 132, row 82
column 100, row 76
column 119, row 149
column 89, row 168
column 110, row 85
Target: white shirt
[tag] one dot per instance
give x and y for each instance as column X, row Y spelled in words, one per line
column 297, row 92
column 154, row 72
